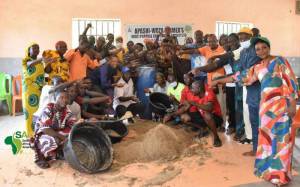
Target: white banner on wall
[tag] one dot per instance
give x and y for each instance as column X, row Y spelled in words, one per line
column 137, row 32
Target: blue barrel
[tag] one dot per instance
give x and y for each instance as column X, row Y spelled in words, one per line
column 146, row 79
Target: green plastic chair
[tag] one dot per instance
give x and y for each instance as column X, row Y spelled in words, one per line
column 6, row 90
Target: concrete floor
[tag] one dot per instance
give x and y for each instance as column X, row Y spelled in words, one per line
column 225, row 167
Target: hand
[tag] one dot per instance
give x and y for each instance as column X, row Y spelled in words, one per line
column 195, row 71
column 89, row 25
column 292, row 108
column 98, row 56
column 185, row 105
column 134, row 98
column 172, row 97
column 246, row 81
column 123, row 50
column 192, row 103
column 147, row 90
column 167, row 118
column 120, row 85
column 79, row 121
column 93, row 119
column 77, row 81
column 104, row 117
column 109, row 101
column 180, row 52
column 214, row 83
column 49, row 60
column 62, row 137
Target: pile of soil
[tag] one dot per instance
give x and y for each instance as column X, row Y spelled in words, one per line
column 154, row 142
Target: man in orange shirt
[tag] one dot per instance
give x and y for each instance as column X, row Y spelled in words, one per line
column 212, row 49
column 79, row 61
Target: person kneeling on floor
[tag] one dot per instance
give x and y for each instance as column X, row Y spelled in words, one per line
column 208, row 107
column 51, row 130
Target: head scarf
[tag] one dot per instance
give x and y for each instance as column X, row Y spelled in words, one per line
column 27, row 51
column 265, row 40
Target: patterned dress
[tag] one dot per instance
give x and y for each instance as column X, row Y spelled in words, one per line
column 59, row 121
column 274, row 151
column 33, row 81
column 59, row 68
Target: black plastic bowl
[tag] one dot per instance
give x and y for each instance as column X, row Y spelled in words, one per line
column 88, row 149
column 118, row 127
column 159, row 103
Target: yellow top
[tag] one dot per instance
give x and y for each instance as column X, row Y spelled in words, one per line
column 58, row 68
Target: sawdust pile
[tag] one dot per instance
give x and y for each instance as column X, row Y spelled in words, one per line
column 159, row 142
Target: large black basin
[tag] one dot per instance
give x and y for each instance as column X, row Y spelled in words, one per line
column 159, row 103
column 88, row 148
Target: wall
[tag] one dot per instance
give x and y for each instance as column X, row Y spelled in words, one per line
column 46, row 23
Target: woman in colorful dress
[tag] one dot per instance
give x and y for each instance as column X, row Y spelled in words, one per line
column 52, row 128
column 33, row 81
column 277, row 108
column 57, row 65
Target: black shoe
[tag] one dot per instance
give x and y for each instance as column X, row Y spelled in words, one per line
column 238, row 137
column 245, row 141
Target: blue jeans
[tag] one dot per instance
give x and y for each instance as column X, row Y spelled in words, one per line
column 254, row 120
column 239, row 119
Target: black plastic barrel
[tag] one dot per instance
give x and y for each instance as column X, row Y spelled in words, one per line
column 159, row 103
column 88, row 148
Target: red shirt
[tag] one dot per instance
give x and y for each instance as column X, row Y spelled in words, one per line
column 187, row 95
column 210, row 97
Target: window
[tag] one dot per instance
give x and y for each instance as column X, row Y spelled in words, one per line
column 100, row 27
column 225, row 27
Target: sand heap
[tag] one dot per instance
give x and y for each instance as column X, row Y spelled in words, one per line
column 159, row 143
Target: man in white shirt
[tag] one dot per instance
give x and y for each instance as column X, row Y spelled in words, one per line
column 124, row 98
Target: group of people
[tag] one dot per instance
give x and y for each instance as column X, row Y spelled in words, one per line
column 210, row 81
